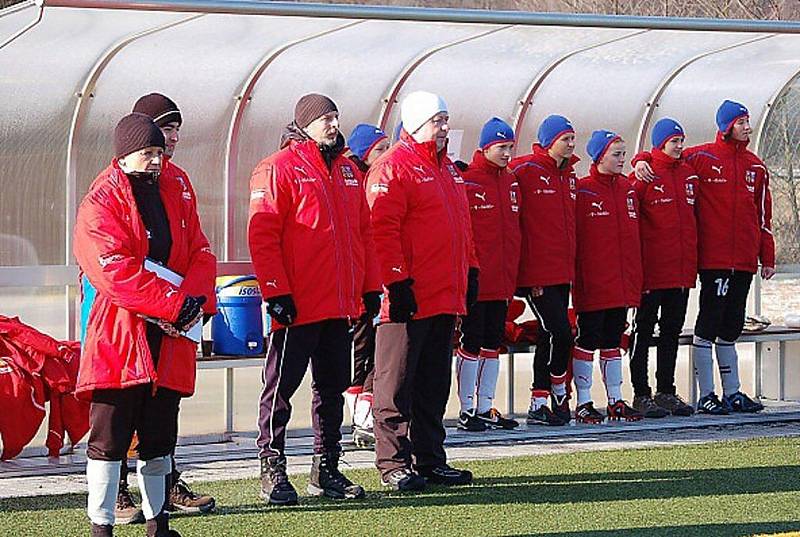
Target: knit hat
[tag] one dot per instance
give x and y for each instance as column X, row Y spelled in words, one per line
column 160, row 108
column 665, row 129
column 311, row 107
column 495, row 131
column 363, row 138
column 727, row 113
column 418, row 107
column 134, row 132
column 552, row 128
column 599, row 143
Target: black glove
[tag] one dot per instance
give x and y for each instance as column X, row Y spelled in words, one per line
column 522, row 292
column 282, row 309
column 372, row 303
column 402, row 304
column 191, row 312
column 472, row 287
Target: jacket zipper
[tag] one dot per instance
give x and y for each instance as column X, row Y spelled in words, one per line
column 452, row 223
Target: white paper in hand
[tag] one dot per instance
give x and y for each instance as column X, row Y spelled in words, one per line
column 195, row 333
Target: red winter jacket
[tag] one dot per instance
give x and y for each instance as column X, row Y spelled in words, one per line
column 609, row 261
column 733, row 208
column 547, row 216
column 110, row 246
column 420, row 218
column 22, row 403
column 309, row 233
column 493, row 195
column 667, row 225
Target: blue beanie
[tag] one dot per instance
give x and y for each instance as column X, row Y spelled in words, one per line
column 495, row 131
column 363, row 139
column 663, row 130
column 727, row 113
column 599, row 142
column 552, row 128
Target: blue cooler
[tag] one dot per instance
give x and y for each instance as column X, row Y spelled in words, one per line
column 238, row 327
column 89, row 294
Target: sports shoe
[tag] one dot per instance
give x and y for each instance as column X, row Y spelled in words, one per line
column 468, row 421
column 125, row 510
column 494, row 420
column 403, row 480
column 587, row 413
column 444, row 474
column 621, row 411
column 647, row 407
column 102, row 530
column 327, row 480
column 275, row 486
column 710, row 404
column 673, row 404
column 739, row 402
column 560, row 406
column 184, row 499
column 543, row 416
column 159, row 526
column 363, row 437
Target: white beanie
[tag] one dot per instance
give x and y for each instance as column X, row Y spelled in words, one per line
column 418, row 107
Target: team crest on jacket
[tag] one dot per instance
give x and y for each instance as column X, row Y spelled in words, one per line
column 690, row 193
column 186, row 194
column 514, row 200
column 456, row 176
column 5, row 367
column 349, row 177
column 750, row 179
column 631, row 205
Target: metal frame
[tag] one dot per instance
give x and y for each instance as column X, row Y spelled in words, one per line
column 20, row 7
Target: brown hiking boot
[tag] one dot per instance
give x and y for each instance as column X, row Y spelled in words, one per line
column 183, row 499
column 673, row 404
column 125, row 510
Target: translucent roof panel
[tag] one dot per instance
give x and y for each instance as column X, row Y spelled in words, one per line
column 202, row 65
column 356, row 66
column 749, row 74
column 15, row 19
column 608, row 87
column 509, row 61
column 42, row 70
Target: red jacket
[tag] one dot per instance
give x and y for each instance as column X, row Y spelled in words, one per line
column 609, row 260
column 309, row 233
column 733, row 208
column 547, row 213
column 110, row 246
column 667, row 224
column 420, row 218
column 493, row 195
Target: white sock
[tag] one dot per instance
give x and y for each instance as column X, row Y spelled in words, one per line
column 558, row 385
column 703, row 365
column 538, row 399
column 153, row 485
column 350, row 397
column 611, row 367
column 467, row 375
column 102, row 478
column 582, row 370
column 728, row 362
column 363, row 411
column 487, row 378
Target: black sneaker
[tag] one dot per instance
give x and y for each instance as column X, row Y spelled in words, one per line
column 587, row 413
column 647, row 407
column 125, row 509
column 494, row 420
column 159, row 526
column 403, row 480
column 560, row 405
column 673, row 404
column 543, row 416
column 444, row 474
column 363, row 437
column 468, row 421
column 275, row 486
column 710, row 404
column 102, row 530
column 739, row 402
column 620, row 410
column 327, row 480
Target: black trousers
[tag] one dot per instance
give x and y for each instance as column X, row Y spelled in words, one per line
column 326, row 344
column 484, row 326
column 723, row 301
column 672, row 306
column 601, row 329
column 412, row 383
column 364, row 353
column 554, row 344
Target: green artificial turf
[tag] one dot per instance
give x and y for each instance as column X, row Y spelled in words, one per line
column 730, row 488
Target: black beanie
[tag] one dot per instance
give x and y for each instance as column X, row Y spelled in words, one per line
column 135, row 132
column 311, row 107
column 159, row 107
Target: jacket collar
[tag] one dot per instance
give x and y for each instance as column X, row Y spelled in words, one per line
column 480, row 162
column 543, row 153
column 604, row 178
column 426, row 150
column 730, row 146
column 662, row 159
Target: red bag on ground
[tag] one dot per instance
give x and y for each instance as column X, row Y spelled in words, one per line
column 22, row 407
